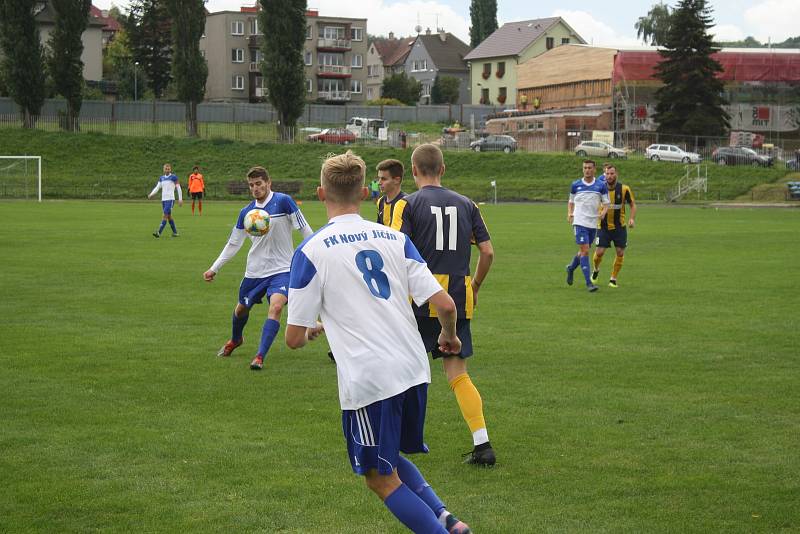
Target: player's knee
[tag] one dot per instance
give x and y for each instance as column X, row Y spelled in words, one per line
column 241, row 311
column 382, row 485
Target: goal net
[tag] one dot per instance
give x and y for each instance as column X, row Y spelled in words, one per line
column 21, row 177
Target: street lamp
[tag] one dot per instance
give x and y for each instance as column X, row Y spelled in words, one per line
column 135, row 83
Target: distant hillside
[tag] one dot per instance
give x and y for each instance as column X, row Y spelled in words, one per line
column 752, row 42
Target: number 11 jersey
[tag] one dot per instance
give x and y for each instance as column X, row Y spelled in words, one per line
column 443, row 225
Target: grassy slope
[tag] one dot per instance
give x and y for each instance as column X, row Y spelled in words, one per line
column 668, row 405
column 96, row 165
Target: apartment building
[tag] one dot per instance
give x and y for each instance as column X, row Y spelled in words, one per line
column 334, row 55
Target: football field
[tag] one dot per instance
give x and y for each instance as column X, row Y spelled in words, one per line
column 670, row 404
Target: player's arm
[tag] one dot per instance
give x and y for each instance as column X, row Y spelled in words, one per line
column 297, row 336
column 298, row 220
column 400, row 219
column 155, row 190
column 571, row 209
column 632, row 202
column 485, row 259
column 180, row 192
column 446, row 312
column 305, row 293
column 605, row 203
column 235, row 242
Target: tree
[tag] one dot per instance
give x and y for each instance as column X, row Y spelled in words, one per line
column 401, row 87
column 189, row 67
column 690, row 101
column 654, row 27
column 445, row 90
column 283, row 23
column 118, row 64
column 71, row 17
column 483, row 17
column 22, row 58
column 149, row 29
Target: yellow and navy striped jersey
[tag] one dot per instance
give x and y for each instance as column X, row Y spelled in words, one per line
column 386, row 209
column 443, row 224
column 619, row 195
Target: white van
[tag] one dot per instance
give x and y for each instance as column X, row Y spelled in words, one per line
column 369, row 128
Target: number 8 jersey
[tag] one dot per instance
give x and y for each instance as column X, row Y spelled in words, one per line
column 443, row 225
column 357, row 275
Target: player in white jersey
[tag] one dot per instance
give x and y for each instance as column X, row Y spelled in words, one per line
column 267, row 271
column 168, row 183
column 588, row 203
column 357, row 275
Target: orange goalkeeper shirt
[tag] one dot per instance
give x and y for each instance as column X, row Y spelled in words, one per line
column 196, row 184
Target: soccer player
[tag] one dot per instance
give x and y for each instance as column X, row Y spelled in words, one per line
column 168, row 183
column 588, row 202
column 443, row 224
column 390, row 176
column 351, row 269
column 602, row 177
column 197, row 188
column 268, row 261
column 612, row 226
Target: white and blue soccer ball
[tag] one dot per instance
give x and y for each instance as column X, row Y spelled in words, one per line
column 256, row 222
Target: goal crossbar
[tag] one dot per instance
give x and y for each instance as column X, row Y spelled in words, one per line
column 39, row 170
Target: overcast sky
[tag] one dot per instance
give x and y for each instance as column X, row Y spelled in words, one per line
column 607, row 23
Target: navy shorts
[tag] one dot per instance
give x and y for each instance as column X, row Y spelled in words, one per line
column 252, row 290
column 583, row 235
column 166, row 205
column 197, row 194
column 618, row 236
column 430, row 328
column 376, row 434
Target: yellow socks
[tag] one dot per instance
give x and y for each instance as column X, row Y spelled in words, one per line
column 596, row 260
column 469, row 400
column 617, row 266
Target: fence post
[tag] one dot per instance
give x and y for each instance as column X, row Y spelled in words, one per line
column 461, row 114
column 113, row 117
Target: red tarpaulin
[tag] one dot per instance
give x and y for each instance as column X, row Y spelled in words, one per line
column 737, row 66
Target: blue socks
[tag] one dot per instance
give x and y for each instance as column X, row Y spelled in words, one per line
column 161, row 228
column 238, row 326
column 172, row 225
column 587, row 271
column 413, row 512
column 574, row 264
column 271, row 327
column 412, row 478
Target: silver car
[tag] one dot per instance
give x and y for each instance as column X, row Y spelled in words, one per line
column 598, row 148
column 671, row 153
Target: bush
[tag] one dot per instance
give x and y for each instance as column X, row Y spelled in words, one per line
column 385, row 102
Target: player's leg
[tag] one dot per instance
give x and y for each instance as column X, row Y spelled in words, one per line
column 277, row 295
column 166, row 209
column 576, row 260
column 200, row 203
column 251, row 291
column 172, row 225
column 602, row 244
column 620, row 243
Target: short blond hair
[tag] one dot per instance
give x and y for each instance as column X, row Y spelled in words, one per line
column 428, row 160
column 342, row 178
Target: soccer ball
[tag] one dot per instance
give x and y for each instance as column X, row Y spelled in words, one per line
column 256, row 222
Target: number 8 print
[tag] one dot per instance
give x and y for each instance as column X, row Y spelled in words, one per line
column 370, row 263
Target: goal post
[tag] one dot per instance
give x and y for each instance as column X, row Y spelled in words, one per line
column 16, row 175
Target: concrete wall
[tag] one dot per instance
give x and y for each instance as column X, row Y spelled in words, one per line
column 92, row 55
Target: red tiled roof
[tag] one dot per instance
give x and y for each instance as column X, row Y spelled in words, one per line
column 110, row 24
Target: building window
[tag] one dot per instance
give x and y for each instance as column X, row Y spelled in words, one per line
column 254, row 27
column 426, row 89
column 237, row 83
column 357, row 34
column 308, row 85
column 309, row 58
column 203, row 53
column 550, row 43
column 501, row 95
column 237, row 55
column 355, row 86
column 419, row 64
column 487, row 70
column 485, row 96
column 565, row 40
column 357, row 61
column 369, row 93
column 334, row 32
column 256, row 56
column 501, row 69
column 237, row 27
column 327, row 58
column 309, row 32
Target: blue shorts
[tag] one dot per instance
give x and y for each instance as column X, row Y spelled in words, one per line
column 166, row 205
column 376, row 434
column 583, row 235
column 618, row 236
column 252, row 290
column 430, row 328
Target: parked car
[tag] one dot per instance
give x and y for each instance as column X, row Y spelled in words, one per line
column 337, row 136
column 506, row 143
column 598, row 148
column 671, row 153
column 793, row 164
column 739, row 155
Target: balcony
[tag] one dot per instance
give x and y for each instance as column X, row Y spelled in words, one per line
column 335, row 96
column 334, row 45
column 261, row 92
column 334, row 71
column 255, row 66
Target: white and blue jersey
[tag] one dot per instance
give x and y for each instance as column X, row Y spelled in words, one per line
column 269, row 254
column 357, row 275
column 168, row 183
column 587, row 198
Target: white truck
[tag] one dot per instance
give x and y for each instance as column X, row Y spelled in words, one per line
column 368, row 128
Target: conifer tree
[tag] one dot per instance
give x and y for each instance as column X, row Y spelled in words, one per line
column 483, row 19
column 189, row 67
column 149, row 29
column 690, row 102
column 70, row 17
column 22, row 58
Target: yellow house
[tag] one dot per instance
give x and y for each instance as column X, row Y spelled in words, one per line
column 493, row 63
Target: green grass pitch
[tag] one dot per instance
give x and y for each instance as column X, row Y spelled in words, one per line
column 671, row 404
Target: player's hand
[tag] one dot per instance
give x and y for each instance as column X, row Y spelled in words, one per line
column 630, row 223
column 314, row 333
column 449, row 345
column 209, row 275
column 570, row 218
column 180, row 203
